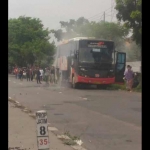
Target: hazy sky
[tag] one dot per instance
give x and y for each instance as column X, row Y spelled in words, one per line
column 53, row 11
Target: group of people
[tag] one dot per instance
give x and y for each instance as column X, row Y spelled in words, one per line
column 48, row 74
column 30, row 73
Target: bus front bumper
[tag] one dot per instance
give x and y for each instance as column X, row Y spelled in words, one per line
column 87, row 80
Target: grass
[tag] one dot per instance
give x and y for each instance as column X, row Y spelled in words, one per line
column 116, row 87
column 70, row 136
column 72, row 139
column 69, row 142
column 123, row 87
column 138, row 88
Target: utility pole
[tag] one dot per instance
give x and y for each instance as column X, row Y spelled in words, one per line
column 111, row 9
column 104, row 16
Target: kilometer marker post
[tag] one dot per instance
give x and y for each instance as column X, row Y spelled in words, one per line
column 42, row 130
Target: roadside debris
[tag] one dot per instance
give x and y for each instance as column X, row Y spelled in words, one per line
column 79, row 142
column 63, row 137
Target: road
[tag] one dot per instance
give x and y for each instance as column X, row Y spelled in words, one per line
column 107, row 120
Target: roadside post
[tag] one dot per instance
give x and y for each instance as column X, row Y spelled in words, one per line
column 42, row 130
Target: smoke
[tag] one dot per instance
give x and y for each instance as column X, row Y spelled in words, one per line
column 132, row 50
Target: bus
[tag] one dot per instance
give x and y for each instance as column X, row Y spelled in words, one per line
column 85, row 60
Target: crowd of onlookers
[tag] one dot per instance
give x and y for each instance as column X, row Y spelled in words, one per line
column 48, row 75
column 39, row 74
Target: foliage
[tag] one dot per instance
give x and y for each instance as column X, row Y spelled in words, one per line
column 129, row 11
column 133, row 52
column 82, row 27
column 139, row 87
column 102, row 30
column 116, row 87
column 28, row 42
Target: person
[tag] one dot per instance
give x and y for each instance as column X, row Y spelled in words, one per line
column 16, row 72
column 42, row 72
column 46, row 75
column 52, row 75
column 24, row 73
column 38, row 73
column 129, row 75
column 32, row 74
column 21, row 74
column 28, row 74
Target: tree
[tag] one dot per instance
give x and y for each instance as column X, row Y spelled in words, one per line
column 28, row 42
column 133, row 52
column 69, row 29
column 129, row 11
column 102, row 30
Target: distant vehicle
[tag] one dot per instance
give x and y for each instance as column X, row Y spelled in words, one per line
column 89, row 61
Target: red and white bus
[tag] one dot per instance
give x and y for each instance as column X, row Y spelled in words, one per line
column 86, row 60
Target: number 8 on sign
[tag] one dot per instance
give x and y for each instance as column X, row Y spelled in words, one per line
column 42, row 130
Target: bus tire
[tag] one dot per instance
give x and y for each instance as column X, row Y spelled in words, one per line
column 104, row 87
column 74, row 85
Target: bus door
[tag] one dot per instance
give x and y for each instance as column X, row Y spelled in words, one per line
column 120, row 67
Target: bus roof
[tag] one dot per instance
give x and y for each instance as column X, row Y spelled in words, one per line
column 81, row 38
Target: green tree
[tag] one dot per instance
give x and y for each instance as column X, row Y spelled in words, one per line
column 69, row 29
column 28, row 42
column 133, row 52
column 129, row 11
column 102, row 30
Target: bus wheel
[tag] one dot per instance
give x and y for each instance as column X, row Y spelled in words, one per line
column 102, row 87
column 74, row 85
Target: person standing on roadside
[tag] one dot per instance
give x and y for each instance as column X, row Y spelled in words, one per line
column 52, row 75
column 32, row 74
column 42, row 72
column 16, row 72
column 38, row 73
column 129, row 75
column 21, row 74
column 28, row 74
column 24, row 73
column 46, row 75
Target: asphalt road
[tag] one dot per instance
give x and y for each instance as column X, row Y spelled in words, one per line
column 104, row 120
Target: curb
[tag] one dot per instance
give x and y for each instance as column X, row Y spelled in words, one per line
column 54, row 130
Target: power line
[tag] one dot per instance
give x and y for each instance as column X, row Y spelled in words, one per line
column 98, row 15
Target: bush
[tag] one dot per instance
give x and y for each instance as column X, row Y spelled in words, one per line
column 123, row 87
column 139, row 87
column 116, row 87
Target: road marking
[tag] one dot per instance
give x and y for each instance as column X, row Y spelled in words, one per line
column 52, row 129
column 78, row 147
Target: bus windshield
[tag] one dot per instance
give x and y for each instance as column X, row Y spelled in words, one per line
column 95, row 55
column 95, row 51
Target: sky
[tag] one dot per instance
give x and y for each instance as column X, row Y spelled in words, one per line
column 51, row 12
